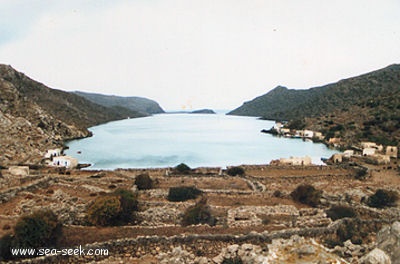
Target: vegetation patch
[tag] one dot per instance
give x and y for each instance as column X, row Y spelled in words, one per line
column 179, row 194
column 114, row 209
column 233, row 171
column 200, row 213
column 39, row 229
column 182, row 169
column 383, row 198
column 340, row 211
column 306, row 194
column 143, row 182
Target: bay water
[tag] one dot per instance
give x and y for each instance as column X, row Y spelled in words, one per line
column 198, row 140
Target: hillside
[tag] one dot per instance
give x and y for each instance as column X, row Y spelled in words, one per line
column 362, row 107
column 138, row 104
column 34, row 117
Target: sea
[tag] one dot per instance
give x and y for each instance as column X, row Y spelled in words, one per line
column 198, row 140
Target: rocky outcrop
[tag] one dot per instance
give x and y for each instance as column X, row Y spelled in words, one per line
column 388, row 240
column 376, row 256
column 34, row 118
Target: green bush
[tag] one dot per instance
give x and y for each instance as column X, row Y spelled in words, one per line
column 129, row 205
column 198, row 214
column 182, row 168
column 233, row 171
column 39, row 229
column 144, row 182
column 6, row 242
column 351, row 229
column 104, row 211
column 383, row 198
column 340, row 211
column 306, row 194
column 179, row 194
column 113, row 209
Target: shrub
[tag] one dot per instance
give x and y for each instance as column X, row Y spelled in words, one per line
column 306, row 194
column 382, row 198
column 114, row 209
column 104, row 211
column 182, row 168
column 129, row 204
column 144, row 182
column 178, row 194
column 39, row 229
column 6, row 242
column 351, row 229
column 233, row 171
column 198, row 214
column 340, row 211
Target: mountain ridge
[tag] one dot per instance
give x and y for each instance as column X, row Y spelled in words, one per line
column 140, row 105
column 365, row 107
column 34, row 117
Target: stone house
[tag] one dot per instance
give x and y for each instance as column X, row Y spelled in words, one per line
column 365, row 145
column 295, row 161
column 308, row 134
column 337, row 158
column 391, row 151
column 19, row 170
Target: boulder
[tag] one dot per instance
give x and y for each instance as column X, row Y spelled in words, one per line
column 376, row 256
column 388, row 240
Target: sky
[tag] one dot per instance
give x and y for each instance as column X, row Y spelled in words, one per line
column 188, row 54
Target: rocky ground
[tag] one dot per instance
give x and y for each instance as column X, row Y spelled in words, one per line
column 257, row 220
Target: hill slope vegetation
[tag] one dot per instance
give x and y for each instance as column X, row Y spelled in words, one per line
column 366, row 107
column 141, row 105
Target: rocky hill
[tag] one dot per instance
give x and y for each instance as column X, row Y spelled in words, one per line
column 34, row 117
column 138, row 104
column 362, row 107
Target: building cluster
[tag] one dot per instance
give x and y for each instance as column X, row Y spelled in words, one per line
column 371, row 151
column 56, row 158
column 279, row 129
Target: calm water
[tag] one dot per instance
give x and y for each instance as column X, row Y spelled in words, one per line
column 197, row 140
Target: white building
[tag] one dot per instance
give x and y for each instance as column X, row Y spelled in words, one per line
column 369, row 151
column 53, row 153
column 348, row 153
column 365, row 145
column 278, row 126
column 308, row 134
column 65, row 161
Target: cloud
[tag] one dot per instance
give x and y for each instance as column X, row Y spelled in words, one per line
column 203, row 53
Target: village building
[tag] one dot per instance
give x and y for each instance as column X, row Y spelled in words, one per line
column 278, row 126
column 391, row 151
column 337, row 158
column 334, row 141
column 380, row 159
column 318, row 135
column 348, row 153
column 308, row 134
column 368, row 151
column 365, row 145
column 21, row 171
column 295, row 161
column 65, row 161
column 50, row 153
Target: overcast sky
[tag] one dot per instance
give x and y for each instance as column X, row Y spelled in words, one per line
column 197, row 54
